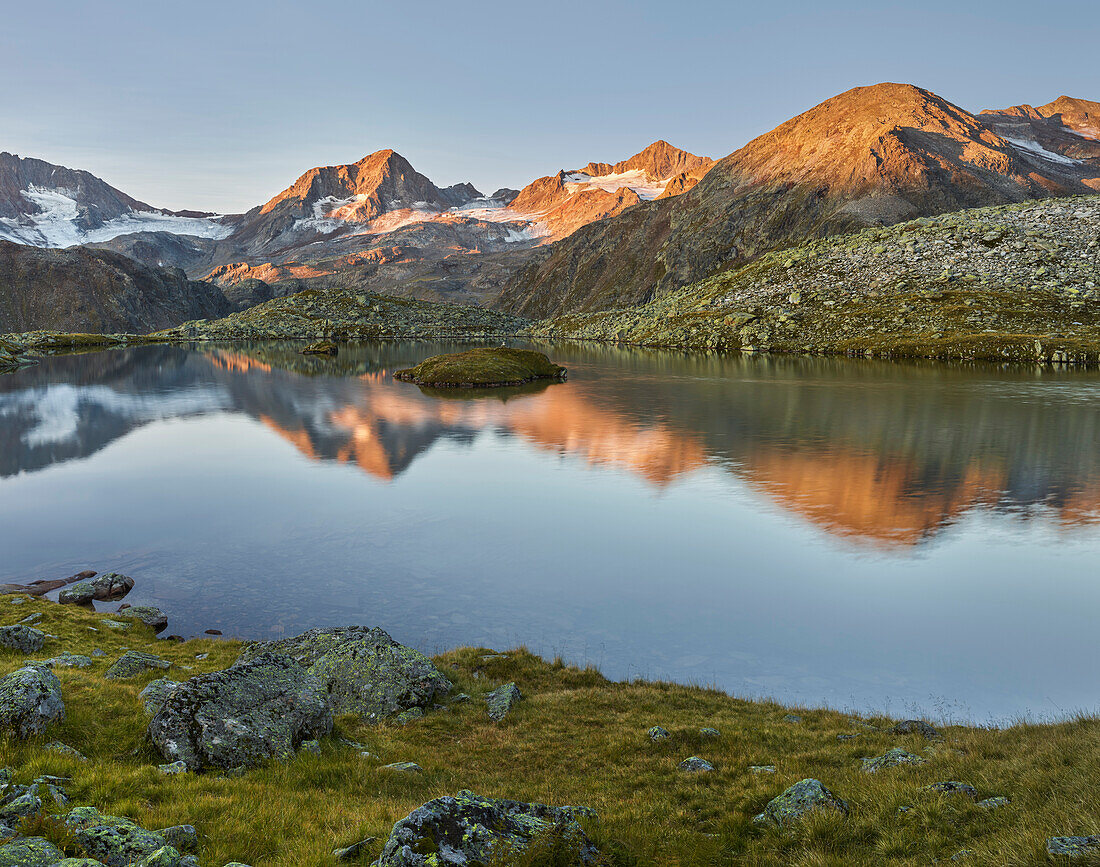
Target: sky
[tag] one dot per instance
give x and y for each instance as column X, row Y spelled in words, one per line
column 220, row 105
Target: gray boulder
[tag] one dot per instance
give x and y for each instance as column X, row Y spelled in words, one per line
column 798, row 800
column 30, row 700
column 467, row 829
column 363, row 670
column 694, row 765
column 25, row 639
column 656, row 733
column 152, row 617
column 30, row 852
column 117, row 841
column 21, row 802
column 103, row 587
column 916, row 726
column 1074, row 847
column 66, row 660
column 891, row 759
column 155, row 694
column 135, row 662
column 502, row 699
column 252, row 712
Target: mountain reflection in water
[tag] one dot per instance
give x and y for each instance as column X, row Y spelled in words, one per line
column 881, row 457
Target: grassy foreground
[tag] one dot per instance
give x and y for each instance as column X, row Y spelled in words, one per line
column 576, row 739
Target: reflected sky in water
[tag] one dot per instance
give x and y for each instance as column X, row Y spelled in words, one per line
column 891, row 537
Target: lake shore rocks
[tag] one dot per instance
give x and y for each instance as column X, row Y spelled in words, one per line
column 30, row 701
column 361, row 670
column 257, row 710
column 151, row 616
column 135, row 662
column 44, row 585
column 467, row 829
column 110, row 585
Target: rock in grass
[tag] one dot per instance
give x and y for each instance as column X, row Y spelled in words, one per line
column 994, row 802
column 172, row 769
column 710, row 733
column 792, row 718
column 362, row 670
column 484, row 367
column 66, row 660
column 183, row 837
column 243, row 716
column 116, row 841
column 66, row 750
column 312, row 747
column 762, row 769
column 798, row 800
column 25, row 639
column 891, row 759
column 115, row 624
column 695, row 765
column 404, row 768
column 502, row 699
column 165, row 856
column 953, row 787
column 152, row 617
column 30, row 852
column 21, row 806
column 30, row 700
column 657, row 733
column 350, row 853
column 135, row 662
column 103, row 587
column 916, row 726
column 407, row 716
column 1074, row 847
column 467, row 829
column 155, row 694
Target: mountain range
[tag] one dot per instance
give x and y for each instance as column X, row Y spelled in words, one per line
column 605, row 235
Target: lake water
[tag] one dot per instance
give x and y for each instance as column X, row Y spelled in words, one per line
column 892, row 537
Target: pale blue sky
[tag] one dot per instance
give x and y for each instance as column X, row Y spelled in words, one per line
column 219, row 105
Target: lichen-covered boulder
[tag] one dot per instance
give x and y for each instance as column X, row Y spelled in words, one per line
column 798, row 800
column 502, row 699
column 114, row 840
column 25, row 639
column 891, row 759
column 21, row 802
column 103, row 587
column 30, row 852
column 30, row 700
column 152, row 617
column 467, row 829
column 656, row 733
column 66, row 660
column 362, row 670
column 1074, row 847
column 135, row 662
column 183, row 837
column 155, row 694
column 696, row 765
column 252, row 712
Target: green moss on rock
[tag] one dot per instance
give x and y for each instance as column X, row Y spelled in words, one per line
column 484, row 367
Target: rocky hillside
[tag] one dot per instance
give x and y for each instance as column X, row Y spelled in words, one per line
column 1018, row 282
column 871, row 156
column 90, row 290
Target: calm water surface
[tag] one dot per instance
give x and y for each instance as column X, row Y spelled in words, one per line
column 874, row 536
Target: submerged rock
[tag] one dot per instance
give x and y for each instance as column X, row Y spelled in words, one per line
column 110, row 585
column 502, row 699
column 135, row 662
column 798, row 800
column 362, row 670
column 255, row 711
column 30, row 700
column 484, row 367
column 467, row 829
column 25, row 639
column 891, row 759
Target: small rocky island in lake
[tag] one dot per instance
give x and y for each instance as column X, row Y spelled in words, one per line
column 484, row 367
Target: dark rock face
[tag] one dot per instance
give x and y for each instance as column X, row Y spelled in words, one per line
column 82, row 290
column 255, row 711
column 110, row 585
column 798, row 800
column 467, row 829
column 30, row 700
column 362, row 670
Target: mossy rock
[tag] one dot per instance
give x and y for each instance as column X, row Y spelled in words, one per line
column 484, row 367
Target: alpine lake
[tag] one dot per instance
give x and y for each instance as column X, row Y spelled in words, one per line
column 914, row 539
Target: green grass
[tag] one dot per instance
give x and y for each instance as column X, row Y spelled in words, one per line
column 577, row 739
column 483, row 366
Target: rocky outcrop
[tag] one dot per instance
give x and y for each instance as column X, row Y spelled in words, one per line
column 360, row 670
column 119, row 842
column 110, row 585
column 468, row 829
column 258, row 710
column 871, row 156
column 30, row 701
column 82, row 290
column 803, row 797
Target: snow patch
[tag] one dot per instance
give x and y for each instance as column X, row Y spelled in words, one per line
column 55, row 223
column 1033, row 148
column 635, row 180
